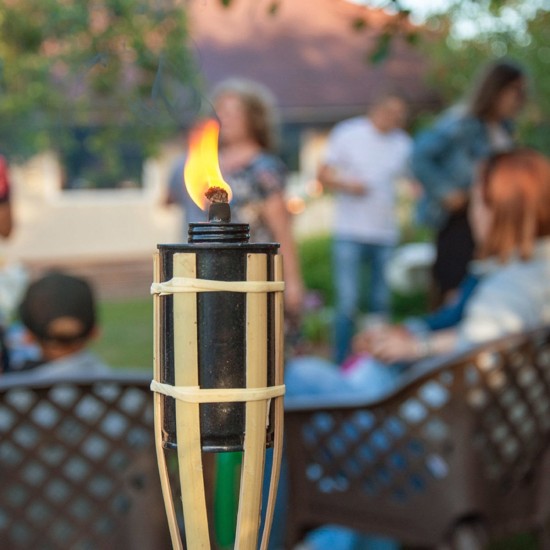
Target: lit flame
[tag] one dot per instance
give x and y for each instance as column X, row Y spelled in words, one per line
column 202, row 169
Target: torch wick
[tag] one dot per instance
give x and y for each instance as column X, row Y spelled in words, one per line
column 218, row 211
column 216, row 194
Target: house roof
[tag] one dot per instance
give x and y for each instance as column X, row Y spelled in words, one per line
column 307, row 54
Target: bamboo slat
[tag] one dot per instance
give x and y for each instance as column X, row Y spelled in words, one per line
column 250, row 496
column 187, row 414
column 159, row 419
column 278, row 405
column 186, row 284
column 195, row 394
column 188, row 395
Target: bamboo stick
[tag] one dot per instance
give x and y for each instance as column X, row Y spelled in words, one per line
column 186, row 284
column 195, row 394
column 278, row 405
column 187, row 414
column 159, row 419
column 250, row 496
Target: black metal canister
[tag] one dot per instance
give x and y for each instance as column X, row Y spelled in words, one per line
column 221, row 251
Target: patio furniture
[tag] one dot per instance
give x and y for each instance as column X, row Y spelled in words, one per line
column 458, row 456
column 78, row 467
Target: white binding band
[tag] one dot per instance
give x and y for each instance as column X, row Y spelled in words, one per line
column 194, row 394
column 187, row 284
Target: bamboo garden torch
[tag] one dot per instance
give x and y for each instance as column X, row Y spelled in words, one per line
column 218, row 377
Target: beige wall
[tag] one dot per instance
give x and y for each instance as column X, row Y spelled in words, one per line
column 52, row 224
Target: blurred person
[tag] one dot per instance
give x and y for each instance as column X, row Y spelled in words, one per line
column 12, row 277
column 58, row 312
column 246, row 111
column 510, row 218
column 365, row 156
column 257, row 177
column 444, row 159
column 6, row 220
column 59, row 315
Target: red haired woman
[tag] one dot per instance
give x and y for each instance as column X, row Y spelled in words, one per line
column 510, row 219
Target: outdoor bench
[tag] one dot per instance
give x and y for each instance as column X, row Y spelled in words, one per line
column 459, row 455
column 78, row 467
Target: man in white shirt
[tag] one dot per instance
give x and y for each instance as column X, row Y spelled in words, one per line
column 365, row 156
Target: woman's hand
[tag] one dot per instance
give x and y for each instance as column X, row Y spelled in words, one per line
column 388, row 343
column 394, row 343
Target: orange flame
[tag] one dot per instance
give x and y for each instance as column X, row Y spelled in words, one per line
column 202, row 169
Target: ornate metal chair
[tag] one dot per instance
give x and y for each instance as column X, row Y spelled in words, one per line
column 459, row 455
column 78, row 466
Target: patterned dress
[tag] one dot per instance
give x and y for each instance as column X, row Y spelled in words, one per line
column 251, row 186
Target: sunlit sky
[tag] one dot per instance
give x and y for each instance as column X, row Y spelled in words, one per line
column 420, row 8
column 475, row 18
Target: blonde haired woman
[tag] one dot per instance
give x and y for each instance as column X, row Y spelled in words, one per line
column 247, row 116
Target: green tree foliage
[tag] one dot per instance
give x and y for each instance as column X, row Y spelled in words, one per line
column 472, row 33
column 535, row 53
column 112, row 68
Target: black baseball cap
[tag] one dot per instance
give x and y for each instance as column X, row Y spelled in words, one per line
column 59, row 307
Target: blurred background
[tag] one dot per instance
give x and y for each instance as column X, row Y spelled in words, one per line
column 96, row 96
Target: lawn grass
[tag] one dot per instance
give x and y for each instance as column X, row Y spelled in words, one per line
column 126, row 329
column 126, row 337
column 522, row 541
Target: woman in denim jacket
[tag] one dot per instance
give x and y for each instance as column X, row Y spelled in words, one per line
column 445, row 157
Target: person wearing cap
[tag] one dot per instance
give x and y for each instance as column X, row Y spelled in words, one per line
column 58, row 312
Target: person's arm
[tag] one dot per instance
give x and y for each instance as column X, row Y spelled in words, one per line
column 6, row 219
column 450, row 314
column 269, row 180
column 392, row 344
column 336, row 155
column 329, row 178
column 277, row 219
column 427, row 164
